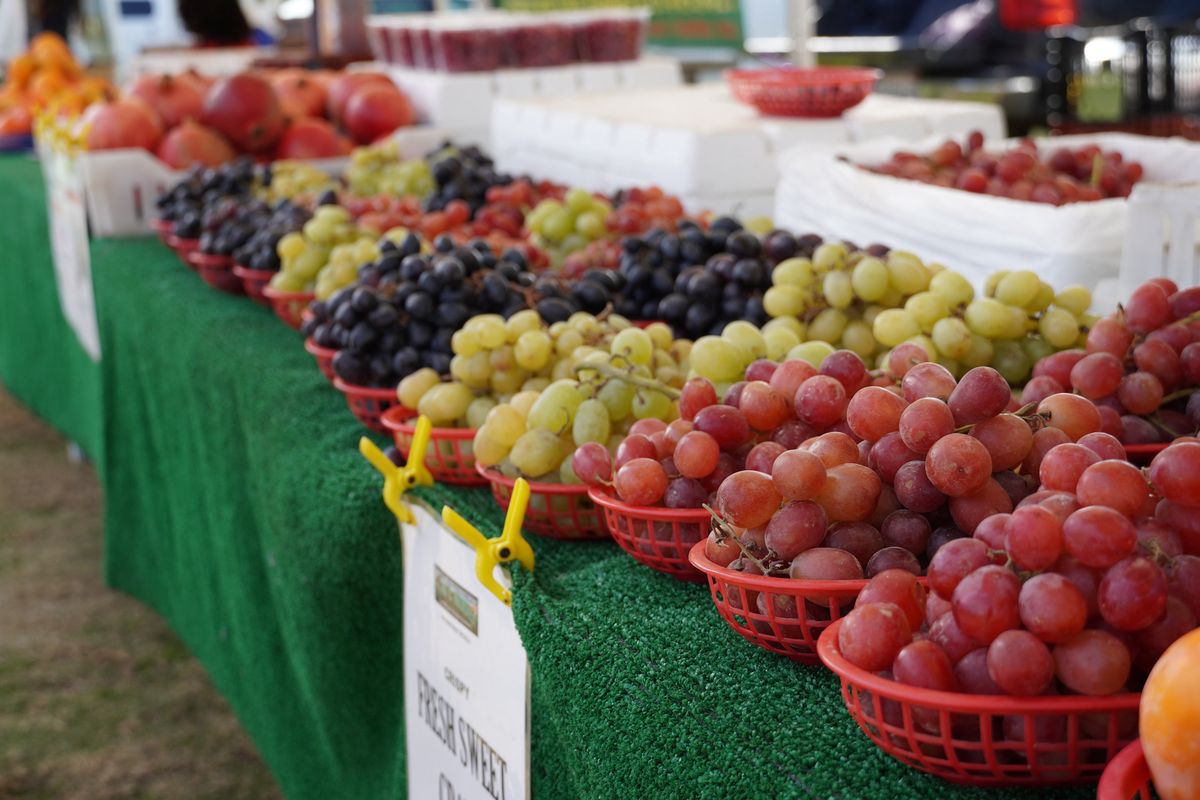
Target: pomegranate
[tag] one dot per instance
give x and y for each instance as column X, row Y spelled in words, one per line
column 310, row 137
column 202, row 82
column 343, row 86
column 174, row 99
column 120, row 124
column 300, row 95
column 193, row 143
column 375, row 111
column 246, row 110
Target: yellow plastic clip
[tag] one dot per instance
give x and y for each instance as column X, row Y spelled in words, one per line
column 398, row 480
column 511, row 546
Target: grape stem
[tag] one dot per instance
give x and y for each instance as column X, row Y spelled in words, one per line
column 724, row 532
column 1179, row 394
column 1023, row 412
column 1162, row 426
column 609, row 371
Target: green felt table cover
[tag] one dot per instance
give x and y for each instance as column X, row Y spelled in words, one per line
column 238, row 506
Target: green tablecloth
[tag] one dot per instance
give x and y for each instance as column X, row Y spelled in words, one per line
column 238, row 506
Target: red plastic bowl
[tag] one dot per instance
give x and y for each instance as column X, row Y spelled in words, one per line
column 289, row 306
column 1143, row 454
column 961, row 737
column 775, row 625
column 183, row 247
column 216, row 271
column 803, row 92
column 324, row 357
column 449, row 457
column 368, row 403
column 658, row 537
column 254, row 281
column 1127, row 777
column 556, row 510
column 162, row 227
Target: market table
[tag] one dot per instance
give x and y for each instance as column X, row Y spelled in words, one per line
column 238, row 507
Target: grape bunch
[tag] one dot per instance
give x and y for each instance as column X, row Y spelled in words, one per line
column 638, row 210
column 378, row 169
column 563, row 226
column 1140, row 365
column 325, row 254
column 290, row 180
column 184, row 204
column 461, row 173
column 407, row 305
column 260, row 251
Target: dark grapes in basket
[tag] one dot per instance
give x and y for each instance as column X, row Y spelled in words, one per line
column 186, row 203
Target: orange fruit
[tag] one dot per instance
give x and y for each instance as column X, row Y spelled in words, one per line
column 21, row 69
column 94, row 88
column 49, row 46
column 46, row 85
column 1170, row 720
column 14, row 121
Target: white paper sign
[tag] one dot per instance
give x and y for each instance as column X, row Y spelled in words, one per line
column 466, row 676
column 69, row 245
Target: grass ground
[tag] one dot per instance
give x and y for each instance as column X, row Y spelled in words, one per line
column 99, row 700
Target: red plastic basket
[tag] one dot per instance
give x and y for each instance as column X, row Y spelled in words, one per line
column 556, row 510
column 367, row 402
column 449, row 457
column 1143, row 454
column 985, row 740
column 162, row 227
column 216, row 271
column 803, row 92
column 660, row 538
column 288, row 305
column 183, row 247
column 1127, row 777
column 782, row 615
column 324, row 357
column 254, row 281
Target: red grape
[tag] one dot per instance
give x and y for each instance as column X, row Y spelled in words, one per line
column 1075, row 415
column 1020, row 663
column 925, row 665
column 971, row 672
column 904, row 357
column 748, row 499
column 953, row 562
column 788, row 377
column 696, row 454
column 1097, row 375
column 1185, row 581
column 1062, row 467
column 958, row 464
column 1058, row 366
column 1109, row 335
column 1044, row 441
column 721, row 551
column 886, row 504
column 944, row 631
column 820, row 401
column 1104, row 445
column 923, row 422
column 857, row 538
column 849, row 492
column 985, row 603
column 1116, row 484
column 936, row 607
column 986, row 501
column 1189, row 362
column 1132, row 594
column 795, row 527
column 1007, row 437
column 641, row 482
column 1039, row 388
column 889, row 454
column 1161, row 360
column 647, row 427
column 798, row 475
column 724, row 423
column 874, row 412
column 1052, row 607
column 1017, row 486
column 1034, row 537
column 592, row 464
column 981, row 393
column 727, row 464
column 893, row 558
column 1092, row 662
column 825, row 564
column 899, row 587
column 761, row 369
column 1140, row 392
column 927, row 380
column 906, row 529
column 733, row 395
column 1185, row 302
column 1156, row 539
column 847, row 367
column 1085, row 580
column 1098, row 536
column 1110, row 421
column 915, row 491
column 1177, row 620
column 793, row 433
column 1175, row 472
column 833, row 448
column 992, row 532
column 871, row 636
column 1184, row 520
column 1149, row 307
column 764, row 408
column 761, row 457
column 685, row 493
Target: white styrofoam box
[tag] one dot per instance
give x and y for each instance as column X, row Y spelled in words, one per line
column 218, row 62
column 972, row 233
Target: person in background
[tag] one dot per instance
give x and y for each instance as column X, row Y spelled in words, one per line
column 215, row 23
column 51, row 15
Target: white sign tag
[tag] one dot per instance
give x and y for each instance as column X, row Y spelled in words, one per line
column 69, row 245
column 466, row 676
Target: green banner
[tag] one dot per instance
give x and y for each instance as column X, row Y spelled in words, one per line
column 675, row 22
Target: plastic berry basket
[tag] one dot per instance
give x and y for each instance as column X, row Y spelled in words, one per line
column 368, row 403
column 782, row 615
column 163, row 228
column 288, row 306
column 254, row 281
column 1127, row 777
column 183, row 247
column 216, row 271
column 324, row 357
column 803, row 92
column 658, row 537
column 556, row 510
column 1143, row 454
column 449, row 457
column 985, row 740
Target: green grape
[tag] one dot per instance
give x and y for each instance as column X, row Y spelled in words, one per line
column 617, row 397
column 286, row 281
column 953, row 288
column 522, row 322
column 671, row 376
column 416, row 384
column 1058, row 327
column 838, row 290
column 906, row 273
column 827, row 325
column 537, row 452
column 1036, row 348
column 981, row 353
column 486, row 449
column 578, row 200
column 557, row 225
column 590, row 225
column 1011, row 362
column 870, row 313
column 779, row 341
column 445, row 404
column 555, row 407
column 952, row 366
column 1042, row 300
column 787, row 323
column 617, row 323
column 648, row 403
column 952, row 337
column 532, row 350
column 870, row 279
column 309, row 263
column 858, row 337
column 562, row 370
column 506, row 422
column 566, row 473
column 812, row 351
column 993, row 281
column 458, row 368
column 927, row 345
column 591, row 423
column 523, row 401
column 828, row 257
column 934, row 267
column 926, row 308
column 477, row 370
column 1076, row 299
column 681, row 350
column 632, row 344
column 508, row 381
column 660, row 333
column 503, row 358
column 796, row 272
column 783, row 301
column 995, row 320
column 535, row 384
column 1017, row 288
column 490, row 329
column 718, row 359
column 747, row 336
column 478, row 411
column 893, row 326
column 567, row 342
column 290, row 246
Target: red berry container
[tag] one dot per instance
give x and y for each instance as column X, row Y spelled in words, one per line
column 449, row 457
column 540, row 40
column 660, row 538
column 183, row 247
column 216, row 271
column 254, row 281
column 324, row 357
column 803, row 91
column 611, row 34
column 163, row 227
column 1143, row 454
column 368, row 403
column 466, row 43
column 288, row 306
column 1127, row 777
column 985, row 740
column 378, row 39
column 776, row 625
column 555, row 510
